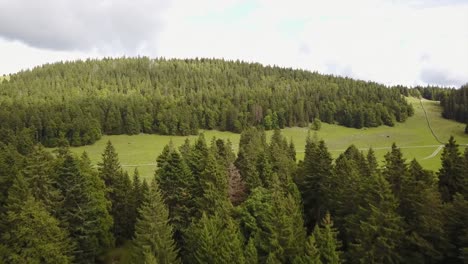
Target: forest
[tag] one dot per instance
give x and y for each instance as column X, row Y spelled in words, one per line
column 455, row 105
column 207, row 204
column 82, row 100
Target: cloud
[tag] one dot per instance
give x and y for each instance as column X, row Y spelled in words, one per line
column 107, row 26
column 440, row 77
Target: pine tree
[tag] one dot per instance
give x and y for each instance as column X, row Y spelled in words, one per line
column 250, row 253
column 214, row 239
column 83, row 212
column 153, row 233
column 451, row 175
column 395, row 169
column 32, row 234
column 376, row 229
column 38, row 172
column 456, row 214
column 214, row 183
column 122, row 208
column 177, row 187
column 317, row 167
column 312, row 254
column 109, row 168
column 327, row 241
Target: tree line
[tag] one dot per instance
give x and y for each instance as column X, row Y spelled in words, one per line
column 79, row 101
column 205, row 204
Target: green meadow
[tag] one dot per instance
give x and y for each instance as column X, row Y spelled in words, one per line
column 413, row 136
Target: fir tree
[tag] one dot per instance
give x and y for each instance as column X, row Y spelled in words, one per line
column 109, row 168
column 451, row 175
column 395, row 169
column 327, row 241
column 214, row 239
column 32, row 234
column 317, row 167
column 312, row 254
column 153, row 233
column 250, row 253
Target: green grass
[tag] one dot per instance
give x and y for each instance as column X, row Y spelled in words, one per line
column 413, row 136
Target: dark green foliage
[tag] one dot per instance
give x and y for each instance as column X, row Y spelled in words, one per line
column 84, row 211
column 316, row 168
column 312, row 253
column 273, row 220
column 452, row 178
column 376, row 229
column 455, row 104
column 327, row 241
column 10, row 164
column 32, row 234
column 109, row 168
column 153, row 233
column 214, row 239
column 395, row 169
column 123, row 208
column 178, row 188
column 457, row 229
column 39, row 174
column 251, row 144
column 83, row 99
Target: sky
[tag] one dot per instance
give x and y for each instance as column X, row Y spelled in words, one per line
column 408, row 42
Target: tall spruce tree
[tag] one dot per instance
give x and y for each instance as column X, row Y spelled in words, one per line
column 82, row 212
column 153, row 232
column 214, row 239
column 32, row 235
column 395, row 169
column 317, row 168
column 328, row 245
column 452, row 179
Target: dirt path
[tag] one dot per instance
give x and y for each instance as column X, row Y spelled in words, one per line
column 434, row 153
column 429, row 123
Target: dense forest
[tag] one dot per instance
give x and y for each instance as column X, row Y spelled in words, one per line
column 206, row 204
column 82, row 100
column 455, row 105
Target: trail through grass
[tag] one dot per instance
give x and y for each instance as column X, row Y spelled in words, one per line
column 414, row 137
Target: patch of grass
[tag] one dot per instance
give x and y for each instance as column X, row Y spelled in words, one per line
column 413, row 136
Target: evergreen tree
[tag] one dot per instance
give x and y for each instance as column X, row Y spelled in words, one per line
column 451, row 175
column 317, row 167
column 177, row 187
column 395, row 169
column 83, row 213
column 250, row 253
column 312, row 254
column 214, row 239
column 123, row 208
column 38, row 172
column 32, row 234
column 327, row 241
column 153, row 233
column 376, row 229
column 109, row 168
column 456, row 214
column 214, row 183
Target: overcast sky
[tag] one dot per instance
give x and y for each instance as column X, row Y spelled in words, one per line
column 408, row 42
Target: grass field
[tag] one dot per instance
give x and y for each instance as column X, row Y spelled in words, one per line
column 413, row 136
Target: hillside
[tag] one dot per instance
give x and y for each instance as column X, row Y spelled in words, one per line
column 83, row 100
column 413, row 136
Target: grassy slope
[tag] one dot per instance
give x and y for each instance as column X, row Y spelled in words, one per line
column 143, row 149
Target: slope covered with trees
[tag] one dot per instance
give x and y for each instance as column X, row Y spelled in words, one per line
column 455, row 105
column 82, row 100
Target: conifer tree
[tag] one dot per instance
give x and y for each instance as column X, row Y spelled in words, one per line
column 82, row 212
column 38, row 172
column 456, row 214
column 153, row 233
column 312, row 254
column 123, row 208
column 451, row 176
column 214, row 183
column 327, row 241
column 395, row 169
column 376, row 229
column 317, row 168
column 109, row 167
column 214, row 239
column 250, row 253
column 32, row 234
column 177, row 187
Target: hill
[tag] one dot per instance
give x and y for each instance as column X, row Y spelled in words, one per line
column 83, row 100
column 413, row 136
